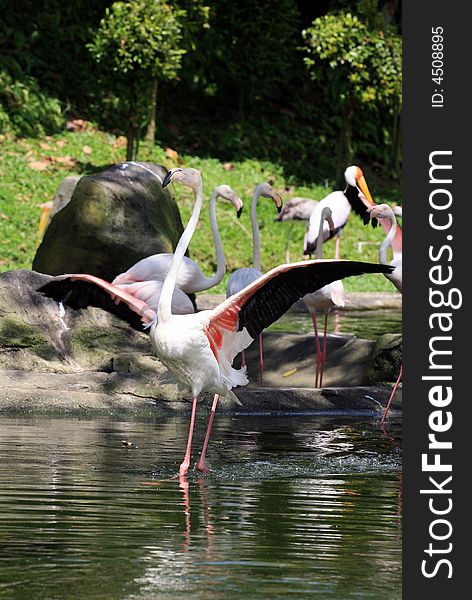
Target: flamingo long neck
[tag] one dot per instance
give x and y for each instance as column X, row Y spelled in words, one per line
column 319, row 241
column 256, row 238
column 220, row 255
column 388, row 240
column 164, row 308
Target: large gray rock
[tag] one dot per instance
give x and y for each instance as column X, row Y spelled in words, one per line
column 113, row 219
column 35, row 339
column 64, row 193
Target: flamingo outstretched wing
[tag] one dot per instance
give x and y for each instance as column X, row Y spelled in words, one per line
column 265, row 300
column 82, row 290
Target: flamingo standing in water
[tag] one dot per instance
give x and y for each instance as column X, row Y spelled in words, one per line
column 190, row 278
column 380, row 212
column 356, row 196
column 198, row 349
column 324, row 300
column 240, row 278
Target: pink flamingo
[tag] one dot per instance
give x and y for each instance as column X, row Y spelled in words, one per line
column 385, row 212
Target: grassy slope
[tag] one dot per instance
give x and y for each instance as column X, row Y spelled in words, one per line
column 23, row 189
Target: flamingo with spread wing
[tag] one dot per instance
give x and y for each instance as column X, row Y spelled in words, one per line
column 199, row 349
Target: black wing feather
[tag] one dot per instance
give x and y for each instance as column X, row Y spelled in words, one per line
column 273, row 299
column 352, row 194
column 80, row 294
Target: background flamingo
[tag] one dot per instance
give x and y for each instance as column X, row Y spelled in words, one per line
column 324, row 300
column 198, row 349
column 356, row 196
column 297, row 209
column 240, row 278
column 385, row 212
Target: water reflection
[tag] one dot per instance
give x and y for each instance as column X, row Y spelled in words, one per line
column 366, row 324
column 293, row 506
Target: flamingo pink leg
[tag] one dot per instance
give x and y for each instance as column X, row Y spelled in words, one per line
column 323, row 356
column 185, row 465
column 392, row 394
column 338, row 241
column 261, row 360
column 317, row 347
column 201, row 463
column 243, row 359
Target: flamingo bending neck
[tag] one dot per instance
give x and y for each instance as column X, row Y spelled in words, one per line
column 388, row 238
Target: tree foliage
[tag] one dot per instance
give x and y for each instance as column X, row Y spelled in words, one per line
column 140, row 38
column 248, row 50
column 360, row 68
column 138, row 42
column 232, row 79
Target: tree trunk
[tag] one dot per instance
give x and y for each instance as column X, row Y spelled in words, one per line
column 344, row 158
column 151, row 129
column 130, row 143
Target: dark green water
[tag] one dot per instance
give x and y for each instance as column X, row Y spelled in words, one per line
column 367, row 324
column 295, row 507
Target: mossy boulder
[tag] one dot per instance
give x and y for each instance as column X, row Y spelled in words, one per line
column 385, row 361
column 113, row 219
column 36, row 337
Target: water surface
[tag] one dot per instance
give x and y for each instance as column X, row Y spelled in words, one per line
column 294, row 507
column 367, row 324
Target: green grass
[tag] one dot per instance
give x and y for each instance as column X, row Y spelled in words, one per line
column 23, row 189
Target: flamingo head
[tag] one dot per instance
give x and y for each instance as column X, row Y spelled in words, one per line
column 266, row 190
column 355, row 178
column 378, row 211
column 224, row 191
column 192, row 178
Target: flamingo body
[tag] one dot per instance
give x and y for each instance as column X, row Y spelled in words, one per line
column 297, row 209
column 325, row 299
column 190, row 277
column 150, row 292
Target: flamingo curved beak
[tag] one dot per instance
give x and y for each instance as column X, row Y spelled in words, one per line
column 167, row 178
column 279, row 203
